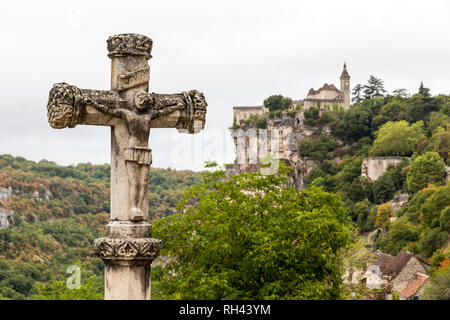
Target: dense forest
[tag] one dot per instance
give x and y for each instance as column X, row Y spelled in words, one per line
column 58, row 212
column 415, row 127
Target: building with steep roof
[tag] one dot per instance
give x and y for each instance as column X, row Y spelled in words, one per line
column 401, row 270
column 328, row 95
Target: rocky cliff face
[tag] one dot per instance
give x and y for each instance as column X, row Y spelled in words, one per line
column 289, row 129
column 5, row 193
column 5, row 217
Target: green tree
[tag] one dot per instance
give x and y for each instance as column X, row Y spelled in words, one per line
column 395, row 110
column 424, row 91
column 317, row 148
column 384, row 212
column 401, row 233
column 361, row 212
column 429, row 168
column 278, row 102
column 433, row 206
column 355, row 123
column 374, row 88
column 383, row 188
column 249, row 236
column 431, row 241
column 396, row 139
column 312, row 116
column 421, row 107
column 438, row 286
column 403, row 93
column 444, row 219
column 442, row 146
column 357, row 93
column 261, row 122
column 92, row 289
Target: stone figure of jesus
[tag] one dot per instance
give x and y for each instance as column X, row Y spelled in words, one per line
column 137, row 154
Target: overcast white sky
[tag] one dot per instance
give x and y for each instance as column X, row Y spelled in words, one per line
column 236, row 52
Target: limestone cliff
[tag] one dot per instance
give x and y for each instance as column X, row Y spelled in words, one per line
column 283, row 134
column 5, row 217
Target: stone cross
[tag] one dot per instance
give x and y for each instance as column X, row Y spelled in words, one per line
column 128, row 248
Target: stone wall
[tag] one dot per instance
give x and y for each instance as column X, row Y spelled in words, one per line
column 373, row 168
column 5, row 193
column 244, row 113
column 407, row 274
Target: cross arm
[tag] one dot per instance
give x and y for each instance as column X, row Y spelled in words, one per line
column 185, row 111
column 69, row 105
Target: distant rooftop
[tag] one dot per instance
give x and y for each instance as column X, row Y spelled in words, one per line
column 414, row 286
column 294, row 102
column 326, row 86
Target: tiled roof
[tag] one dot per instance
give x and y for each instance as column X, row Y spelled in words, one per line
column 344, row 72
column 414, row 285
column 294, row 102
column 392, row 266
column 326, row 86
column 248, row 107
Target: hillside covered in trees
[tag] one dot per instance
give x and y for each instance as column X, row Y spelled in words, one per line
column 412, row 127
column 58, row 212
column 249, row 236
column 415, row 127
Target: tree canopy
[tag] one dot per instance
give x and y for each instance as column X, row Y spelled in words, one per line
column 426, row 169
column 396, row 139
column 278, row 102
column 249, row 236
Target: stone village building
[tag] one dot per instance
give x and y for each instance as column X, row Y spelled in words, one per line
column 327, row 96
column 404, row 274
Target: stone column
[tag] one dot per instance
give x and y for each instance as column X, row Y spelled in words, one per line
column 128, row 248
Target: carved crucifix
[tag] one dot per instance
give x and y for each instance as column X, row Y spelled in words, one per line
column 128, row 249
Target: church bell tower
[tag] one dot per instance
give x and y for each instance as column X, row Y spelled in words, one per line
column 345, row 87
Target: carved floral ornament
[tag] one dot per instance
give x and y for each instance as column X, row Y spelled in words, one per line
column 127, row 248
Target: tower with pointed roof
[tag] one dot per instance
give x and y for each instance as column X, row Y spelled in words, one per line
column 345, row 87
column 328, row 96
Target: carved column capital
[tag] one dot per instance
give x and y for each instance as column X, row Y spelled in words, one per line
column 127, row 248
column 129, row 44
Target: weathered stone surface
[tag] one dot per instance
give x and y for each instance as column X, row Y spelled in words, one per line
column 127, row 248
column 5, row 217
column 129, row 44
column 5, row 193
column 399, row 201
column 287, row 131
column 373, row 168
column 131, row 112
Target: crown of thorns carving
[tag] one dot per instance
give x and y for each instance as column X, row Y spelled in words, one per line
column 61, row 107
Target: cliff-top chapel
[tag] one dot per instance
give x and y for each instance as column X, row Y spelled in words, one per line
column 327, row 96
